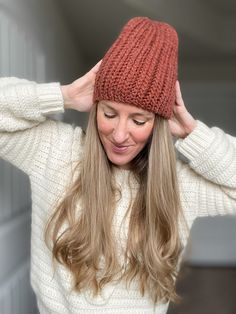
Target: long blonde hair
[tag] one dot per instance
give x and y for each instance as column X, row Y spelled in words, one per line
column 153, row 242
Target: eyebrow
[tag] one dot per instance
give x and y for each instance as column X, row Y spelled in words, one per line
column 146, row 114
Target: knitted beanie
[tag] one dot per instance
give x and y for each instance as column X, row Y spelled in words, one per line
column 140, row 68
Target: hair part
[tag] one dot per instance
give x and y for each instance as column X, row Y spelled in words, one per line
column 153, row 242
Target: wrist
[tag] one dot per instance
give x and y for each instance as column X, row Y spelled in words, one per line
column 64, row 91
column 190, row 128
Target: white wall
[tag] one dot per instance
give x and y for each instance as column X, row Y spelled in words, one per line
column 35, row 43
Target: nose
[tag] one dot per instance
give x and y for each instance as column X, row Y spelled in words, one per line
column 120, row 132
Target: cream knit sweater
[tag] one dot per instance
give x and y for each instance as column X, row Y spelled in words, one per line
column 45, row 149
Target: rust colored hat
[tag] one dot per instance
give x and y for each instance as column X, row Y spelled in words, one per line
column 140, row 68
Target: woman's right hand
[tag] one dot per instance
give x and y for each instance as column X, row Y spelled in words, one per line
column 79, row 94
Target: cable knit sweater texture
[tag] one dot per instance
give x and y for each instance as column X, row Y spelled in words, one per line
column 46, row 150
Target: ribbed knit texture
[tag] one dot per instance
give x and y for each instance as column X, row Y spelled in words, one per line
column 45, row 150
column 140, row 68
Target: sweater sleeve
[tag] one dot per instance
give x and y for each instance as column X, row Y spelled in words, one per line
column 211, row 156
column 24, row 125
column 24, row 104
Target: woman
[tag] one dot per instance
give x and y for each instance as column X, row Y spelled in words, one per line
column 116, row 204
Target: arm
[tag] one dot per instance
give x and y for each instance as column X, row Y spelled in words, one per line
column 211, row 167
column 24, row 104
column 24, row 107
column 211, row 153
column 210, row 174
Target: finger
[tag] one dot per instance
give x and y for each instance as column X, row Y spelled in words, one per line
column 179, row 99
column 96, row 67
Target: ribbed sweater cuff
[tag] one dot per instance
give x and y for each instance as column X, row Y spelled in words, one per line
column 50, row 98
column 196, row 142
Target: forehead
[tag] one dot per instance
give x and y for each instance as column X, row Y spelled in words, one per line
column 120, row 107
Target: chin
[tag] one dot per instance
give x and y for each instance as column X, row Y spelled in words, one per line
column 119, row 162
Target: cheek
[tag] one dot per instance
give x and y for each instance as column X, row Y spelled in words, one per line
column 142, row 136
column 104, row 126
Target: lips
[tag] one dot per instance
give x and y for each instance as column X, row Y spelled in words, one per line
column 119, row 149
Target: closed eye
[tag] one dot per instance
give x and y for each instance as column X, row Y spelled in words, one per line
column 109, row 115
column 139, row 122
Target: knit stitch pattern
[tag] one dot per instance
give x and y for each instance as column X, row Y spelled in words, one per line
column 140, row 68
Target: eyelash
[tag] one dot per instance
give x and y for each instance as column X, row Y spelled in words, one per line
column 139, row 122
column 111, row 116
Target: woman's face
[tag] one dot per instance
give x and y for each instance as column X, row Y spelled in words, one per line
column 123, row 130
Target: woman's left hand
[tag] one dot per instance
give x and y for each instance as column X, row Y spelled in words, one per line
column 182, row 122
